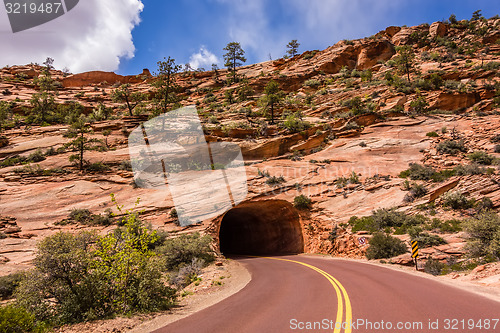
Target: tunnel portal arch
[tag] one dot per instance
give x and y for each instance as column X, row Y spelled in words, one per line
column 261, row 227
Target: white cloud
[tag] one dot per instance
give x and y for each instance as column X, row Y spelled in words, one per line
column 203, row 59
column 249, row 25
column 95, row 35
column 315, row 23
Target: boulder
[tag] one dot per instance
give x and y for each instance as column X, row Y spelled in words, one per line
column 435, row 193
column 392, row 30
column 438, row 29
column 374, row 52
column 403, row 36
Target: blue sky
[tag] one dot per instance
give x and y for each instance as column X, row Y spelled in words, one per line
column 180, row 29
column 126, row 36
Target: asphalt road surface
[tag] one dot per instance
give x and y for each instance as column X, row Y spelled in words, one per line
column 314, row 294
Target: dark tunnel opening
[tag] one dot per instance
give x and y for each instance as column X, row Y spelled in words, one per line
column 261, row 227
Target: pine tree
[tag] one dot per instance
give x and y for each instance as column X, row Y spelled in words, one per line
column 123, row 94
column 42, row 102
column 165, row 84
column 293, row 48
column 405, row 60
column 79, row 132
column 477, row 16
column 273, row 96
column 234, row 57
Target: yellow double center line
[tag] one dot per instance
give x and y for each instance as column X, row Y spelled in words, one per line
column 340, row 291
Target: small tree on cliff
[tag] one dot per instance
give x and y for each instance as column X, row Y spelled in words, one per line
column 42, row 102
column 405, row 60
column 215, row 69
column 273, row 96
column 293, row 48
column 165, row 84
column 123, row 94
column 79, row 132
column 234, row 57
column 5, row 112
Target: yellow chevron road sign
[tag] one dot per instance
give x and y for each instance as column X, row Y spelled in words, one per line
column 414, row 249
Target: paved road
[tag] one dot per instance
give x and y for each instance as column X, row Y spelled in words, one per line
column 312, row 294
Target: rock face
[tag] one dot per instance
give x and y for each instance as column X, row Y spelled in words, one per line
column 391, row 31
column 453, row 101
column 97, row 77
column 373, row 53
column 403, row 36
column 8, row 226
column 438, row 29
column 372, row 143
column 361, row 56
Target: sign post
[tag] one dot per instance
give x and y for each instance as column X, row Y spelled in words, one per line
column 414, row 252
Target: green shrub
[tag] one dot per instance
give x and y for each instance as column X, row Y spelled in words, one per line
column 496, row 149
column 415, row 191
column 36, row 156
column 456, row 200
column 97, row 167
column 84, row 216
column 179, row 251
column 308, row 55
column 492, row 65
column 485, row 204
column 294, row 123
column 434, row 267
column 418, row 172
column 419, row 105
column 481, row 157
column 14, row 319
column 470, row 169
column 451, row 147
column 36, row 171
column 273, row 180
column 425, row 239
column 484, row 235
column 363, row 223
column 351, row 125
column 125, row 165
column 443, row 175
column 448, row 226
column 186, row 273
column 302, row 202
column 312, row 83
column 8, row 284
column 384, row 246
column 79, row 277
column 432, row 134
column 385, row 219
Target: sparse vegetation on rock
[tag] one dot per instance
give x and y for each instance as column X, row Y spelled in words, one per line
column 384, row 246
column 302, row 202
column 484, row 235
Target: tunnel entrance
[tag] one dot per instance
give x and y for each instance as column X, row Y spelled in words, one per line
column 261, row 227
